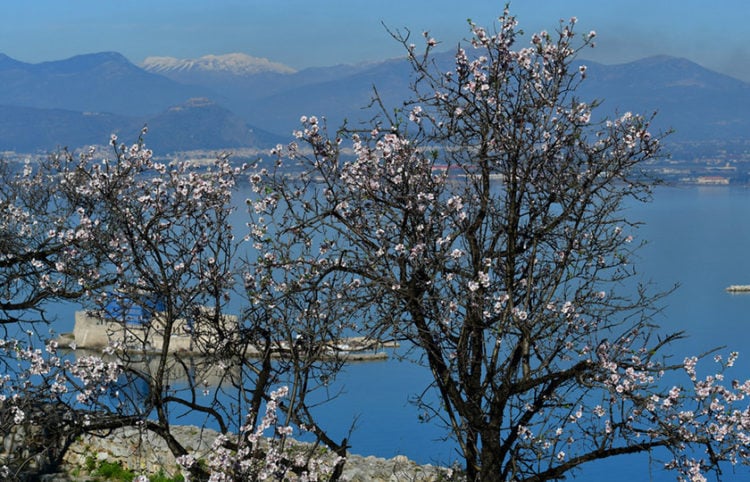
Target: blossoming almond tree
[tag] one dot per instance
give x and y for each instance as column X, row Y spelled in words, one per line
column 167, row 232
column 43, row 246
column 157, row 241
column 148, row 248
column 482, row 226
column 45, row 258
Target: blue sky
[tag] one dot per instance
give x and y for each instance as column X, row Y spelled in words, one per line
column 302, row 33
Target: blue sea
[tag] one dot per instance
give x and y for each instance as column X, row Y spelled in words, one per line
column 697, row 237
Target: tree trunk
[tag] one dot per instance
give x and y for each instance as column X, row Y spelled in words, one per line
column 490, row 460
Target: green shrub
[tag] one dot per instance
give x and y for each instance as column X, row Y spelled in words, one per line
column 113, row 471
column 162, row 477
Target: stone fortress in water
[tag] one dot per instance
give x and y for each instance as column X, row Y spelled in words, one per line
column 141, row 329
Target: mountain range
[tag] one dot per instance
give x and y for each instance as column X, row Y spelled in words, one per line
column 235, row 100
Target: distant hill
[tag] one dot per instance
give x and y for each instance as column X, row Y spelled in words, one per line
column 26, row 129
column 698, row 103
column 335, row 97
column 251, row 102
column 202, row 124
column 100, row 82
column 196, row 124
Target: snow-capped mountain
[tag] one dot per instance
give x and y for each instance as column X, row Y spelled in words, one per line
column 234, row 64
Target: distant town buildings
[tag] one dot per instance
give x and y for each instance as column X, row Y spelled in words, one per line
column 713, row 180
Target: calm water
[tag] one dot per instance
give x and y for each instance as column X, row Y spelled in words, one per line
column 697, row 237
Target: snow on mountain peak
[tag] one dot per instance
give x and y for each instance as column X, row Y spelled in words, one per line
column 235, row 64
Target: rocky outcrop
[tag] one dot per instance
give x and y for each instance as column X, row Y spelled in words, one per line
column 146, row 453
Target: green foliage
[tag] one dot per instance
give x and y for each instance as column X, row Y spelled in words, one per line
column 162, row 477
column 103, row 470
column 90, row 463
column 113, row 471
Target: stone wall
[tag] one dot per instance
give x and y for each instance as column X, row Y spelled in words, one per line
column 92, row 331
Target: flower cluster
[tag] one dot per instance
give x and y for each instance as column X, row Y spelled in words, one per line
column 125, row 228
column 256, row 455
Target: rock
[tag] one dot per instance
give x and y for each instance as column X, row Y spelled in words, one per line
column 138, row 451
column 59, row 477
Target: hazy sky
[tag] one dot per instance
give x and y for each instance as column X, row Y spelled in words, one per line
column 303, row 33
